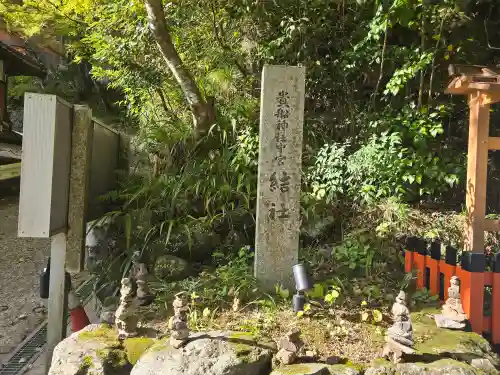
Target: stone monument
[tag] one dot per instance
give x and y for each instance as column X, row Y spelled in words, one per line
column 279, row 177
column 399, row 338
column 126, row 318
column 453, row 315
column 179, row 331
column 289, row 347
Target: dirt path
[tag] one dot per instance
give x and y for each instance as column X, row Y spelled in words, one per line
column 21, row 260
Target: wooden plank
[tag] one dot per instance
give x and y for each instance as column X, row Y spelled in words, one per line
column 56, row 324
column 458, row 86
column 494, row 143
column 9, row 171
column 470, row 70
column 491, row 225
column 81, row 154
column 45, row 166
column 477, row 163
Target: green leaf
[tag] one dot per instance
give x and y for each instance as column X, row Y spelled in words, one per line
column 377, row 316
column 318, row 291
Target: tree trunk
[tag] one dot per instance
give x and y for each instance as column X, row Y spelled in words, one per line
column 203, row 111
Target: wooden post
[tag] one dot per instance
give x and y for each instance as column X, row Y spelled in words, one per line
column 81, row 154
column 56, row 325
column 477, row 163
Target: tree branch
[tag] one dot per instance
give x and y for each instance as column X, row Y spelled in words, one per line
column 486, row 31
column 433, row 69
column 224, row 46
column 203, row 114
column 382, row 62
column 422, row 47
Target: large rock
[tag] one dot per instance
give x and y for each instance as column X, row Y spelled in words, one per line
column 212, row 353
column 456, row 344
column 441, row 351
column 93, row 350
column 302, row 369
column 171, row 268
column 315, row 369
column 440, row 367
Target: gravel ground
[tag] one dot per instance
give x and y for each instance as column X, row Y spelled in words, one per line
column 21, row 260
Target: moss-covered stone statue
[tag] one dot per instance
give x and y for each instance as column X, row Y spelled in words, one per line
column 179, row 331
column 126, row 318
column 399, row 338
column 453, row 315
column 139, row 273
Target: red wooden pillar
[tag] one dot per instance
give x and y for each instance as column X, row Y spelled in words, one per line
column 495, row 303
column 472, row 288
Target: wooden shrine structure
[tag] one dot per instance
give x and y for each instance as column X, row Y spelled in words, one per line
column 12, row 63
column 481, row 86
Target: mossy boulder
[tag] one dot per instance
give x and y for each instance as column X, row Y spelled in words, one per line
column 315, row 369
column 215, row 353
column 94, row 350
column 459, row 345
column 439, row 367
column 441, row 351
column 135, row 347
column 171, row 268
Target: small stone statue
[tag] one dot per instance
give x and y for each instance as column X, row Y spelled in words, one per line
column 399, row 338
column 125, row 317
column 453, row 315
column 144, row 296
column 178, row 323
column 289, row 347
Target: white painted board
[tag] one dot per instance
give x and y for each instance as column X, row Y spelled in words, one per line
column 45, row 166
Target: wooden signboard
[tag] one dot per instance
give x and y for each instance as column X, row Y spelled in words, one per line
column 45, row 166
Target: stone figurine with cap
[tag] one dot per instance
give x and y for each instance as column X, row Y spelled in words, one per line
column 179, row 331
column 126, row 318
column 399, row 338
column 452, row 315
column 139, row 273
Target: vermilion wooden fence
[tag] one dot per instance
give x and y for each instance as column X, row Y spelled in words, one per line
column 434, row 274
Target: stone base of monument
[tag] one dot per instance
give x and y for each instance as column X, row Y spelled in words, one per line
column 445, row 322
column 394, row 351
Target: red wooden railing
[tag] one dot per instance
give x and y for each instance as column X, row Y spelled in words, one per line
column 432, row 271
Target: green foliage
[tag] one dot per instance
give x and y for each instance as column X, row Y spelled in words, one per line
column 379, row 134
column 355, row 253
column 216, row 288
column 401, row 161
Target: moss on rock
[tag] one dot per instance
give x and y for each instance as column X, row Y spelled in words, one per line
column 136, row 346
column 104, row 334
column 433, row 340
